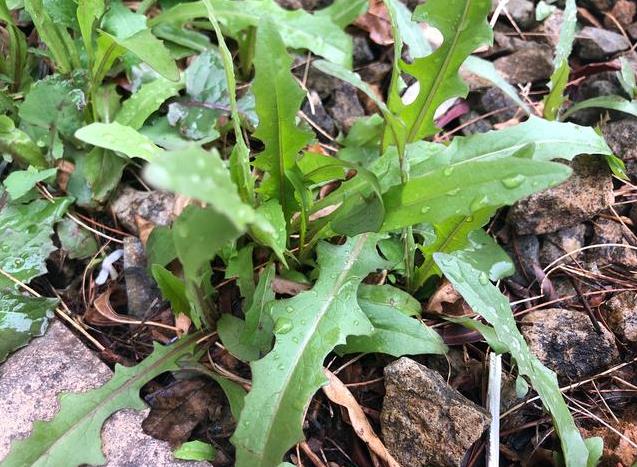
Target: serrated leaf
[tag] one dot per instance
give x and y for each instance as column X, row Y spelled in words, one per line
column 195, row 451
column 396, row 332
column 278, row 99
column 464, row 28
column 409, row 32
column 19, row 183
column 450, row 235
column 474, row 185
column 25, row 243
column 604, row 102
column 307, row 327
column 299, row 29
column 119, row 138
column 486, row 300
column 554, row 100
column 145, row 101
column 22, row 318
column 80, row 417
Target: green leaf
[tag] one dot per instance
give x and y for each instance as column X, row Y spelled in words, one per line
column 20, row 182
column 451, row 235
column 103, row 171
column 78, row 242
column 195, row 451
column 172, row 289
column 25, row 243
column 160, row 247
column 88, row 12
column 396, row 333
column 307, row 327
column 298, row 29
column 80, row 417
column 554, row 100
column 118, row 138
column 626, row 77
column 55, row 104
column 344, row 12
column 551, row 140
column 22, row 318
column 55, row 36
column 278, row 99
column 240, row 157
column 198, row 235
column 487, row 301
column 151, row 51
column 269, row 228
column 201, row 175
column 182, row 36
column 485, row 255
column 258, row 323
column 409, row 31
column 145, row 101
column 14, row 64
column 230, row 329
column 474, row 185
column 487, row 331
column 121, row 22
column 464, row 28
column 18, row 145
column 240, row 266
column 486, row 70
column 605, row 102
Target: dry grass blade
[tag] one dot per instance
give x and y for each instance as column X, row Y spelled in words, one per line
column 338, row 393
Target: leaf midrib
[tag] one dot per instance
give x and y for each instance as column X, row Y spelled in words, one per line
column 352, row 257
column 442, row 71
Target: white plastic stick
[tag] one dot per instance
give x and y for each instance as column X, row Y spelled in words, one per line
column 493, row 404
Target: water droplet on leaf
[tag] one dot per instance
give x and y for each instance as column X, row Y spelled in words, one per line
column 513, row 182
column 283, row 326
column 483, row 278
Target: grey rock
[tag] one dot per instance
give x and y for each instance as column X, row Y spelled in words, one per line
column 477, row 125
column 144, row 297
column 526, row 65
column 153, row 206
column 632, row 31
column 621, row 136
column 318, row 81
column 522, row 12
column 424, row 421
column 623, row 12
column 313, row 108
column 609, row 231
column 33, row 377
column 375, row 72
column 563, row 241
column 551, row 27
column 567, row 343
column 494, row 100
column 622, row 315
column 362, row 51
column 586, row 192
column 597, row 43
column 344, row 107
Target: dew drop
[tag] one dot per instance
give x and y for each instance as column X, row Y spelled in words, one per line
column 281, row 367
column 356, row 322
column 289, row 309
column 295, row 340
column 469, row 219
column 513, row 182
column 478, row 202
column 283, row 326
column 425, row 210
column 453, row 192
column 447, row 171
column 18, row 262
column 483, row 278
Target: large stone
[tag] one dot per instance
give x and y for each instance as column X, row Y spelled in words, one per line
column 156, row 207
column 607, row 231
column 567, row 342
column 526, row 65
column 424, row 421
column 621, row 136
column 557, row 244
column 31, row 380
column 588, row 191
column 598, row 44
column 622, row 315
column 522, row 12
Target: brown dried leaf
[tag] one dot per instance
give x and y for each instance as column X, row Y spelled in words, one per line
column 376, row 22
column 338, row 393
